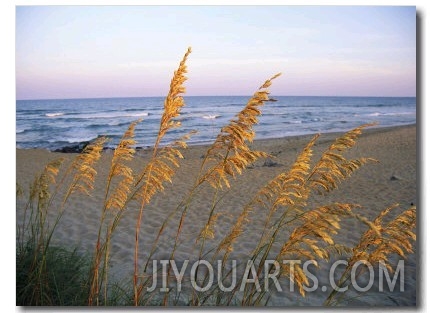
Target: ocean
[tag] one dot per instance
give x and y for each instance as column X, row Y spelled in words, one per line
column 54, row 124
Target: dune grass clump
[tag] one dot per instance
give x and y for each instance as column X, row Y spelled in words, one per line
column 55, row 278
column 292, row 230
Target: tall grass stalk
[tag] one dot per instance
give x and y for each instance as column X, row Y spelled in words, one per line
column 160, row 168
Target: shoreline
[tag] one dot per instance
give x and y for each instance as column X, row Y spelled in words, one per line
column 78, row 147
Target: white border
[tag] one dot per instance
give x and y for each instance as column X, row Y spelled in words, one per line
column 7, row 105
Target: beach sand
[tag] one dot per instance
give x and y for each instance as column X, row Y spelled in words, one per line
column 374, row 187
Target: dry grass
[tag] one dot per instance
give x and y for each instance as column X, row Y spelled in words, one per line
column 310, row 230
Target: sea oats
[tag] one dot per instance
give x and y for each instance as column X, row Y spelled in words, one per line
column 332, row 167
column 208, row 231
column 236, row 230
column 124, row 152
column 230, row 151
column 161, row 166
column 381, row 241
column 83, row 165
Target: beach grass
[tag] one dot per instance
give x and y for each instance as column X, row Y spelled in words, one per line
column 293, row 227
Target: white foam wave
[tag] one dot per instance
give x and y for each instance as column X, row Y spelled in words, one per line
column 105, row 115
column 374, row 114
column 113, row 115
column 400, row 113
column 211, row 116
column 54, row 114
column 139, row 114
column 79, row 139
column 390, row 113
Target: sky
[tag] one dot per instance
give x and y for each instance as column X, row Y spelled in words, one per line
column 132, row 51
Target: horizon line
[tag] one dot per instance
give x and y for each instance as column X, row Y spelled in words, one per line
column 185, row 96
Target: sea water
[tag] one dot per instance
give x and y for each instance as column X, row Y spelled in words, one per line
column 53, row 124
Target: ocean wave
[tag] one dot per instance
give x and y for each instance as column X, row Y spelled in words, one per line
column 116, row 114
column 374, row 114
column 399, row 113
column 132, row 110
column 384, row 105
column 116, row 123
column 275, row 113
column 102, row 115
column 390, row 113
column 54, row 114
column 77, row 139
column 211, row 116
column 66, row 123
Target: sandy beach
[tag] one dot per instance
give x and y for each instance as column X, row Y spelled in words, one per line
column 374, row 187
